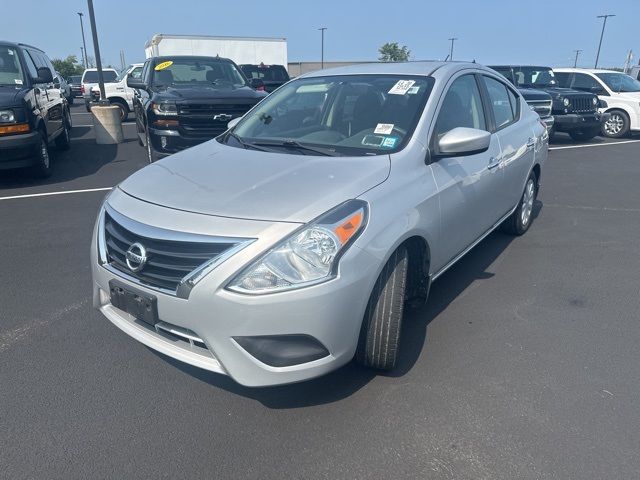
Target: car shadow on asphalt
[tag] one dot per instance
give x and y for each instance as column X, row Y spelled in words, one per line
column 347, row 380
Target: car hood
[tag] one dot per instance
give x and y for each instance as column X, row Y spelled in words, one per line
column 531, row 94
column 215, row 179
column 9, row 96
column 626, row 95
column 207, row 92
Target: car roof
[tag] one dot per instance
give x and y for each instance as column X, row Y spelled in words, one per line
column 104, row 69
column 421, row 68
column 164, row 58
column 16, row 45
column 588, row 70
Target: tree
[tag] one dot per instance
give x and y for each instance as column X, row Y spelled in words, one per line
column 392, row 52
column 67, row 67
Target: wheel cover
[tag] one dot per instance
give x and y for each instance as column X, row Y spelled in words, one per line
column 527, row 202
column 614, row 125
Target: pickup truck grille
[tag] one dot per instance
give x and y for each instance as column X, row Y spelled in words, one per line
column 168, row 261
column 209, row 119
column 541, row 107
column 582, row 104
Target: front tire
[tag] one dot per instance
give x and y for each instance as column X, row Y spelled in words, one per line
column 380, row 332
column 617, row 126
column 520, row 220
column 124, row 110
column 152, row 156
column 42, row 167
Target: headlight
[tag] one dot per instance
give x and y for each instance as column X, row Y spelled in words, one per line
column 308, row 256
column 7, row 116
column 165, row 109
column 566, row 102
column 595, row 101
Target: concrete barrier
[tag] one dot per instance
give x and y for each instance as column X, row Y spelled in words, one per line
column 107, row 125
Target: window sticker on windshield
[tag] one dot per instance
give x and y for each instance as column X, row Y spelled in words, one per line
column 10, row 52
column 18, row 81
column 413, row 90
column 389, row 142
column 163, row 65
column 372, row 140
column 384, row 128
column 401, row 87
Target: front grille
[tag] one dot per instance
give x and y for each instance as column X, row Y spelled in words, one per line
column 541, row 107
column 198, row 119
column 168, row 261
column 582, row 104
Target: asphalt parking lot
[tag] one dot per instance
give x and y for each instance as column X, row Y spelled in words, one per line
column 524, row 364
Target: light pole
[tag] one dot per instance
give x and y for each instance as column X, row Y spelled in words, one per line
column 322, row 29
column 86, row 64
column 96, row 48
column 604, row 24
column 451, row 51
column 575, row 62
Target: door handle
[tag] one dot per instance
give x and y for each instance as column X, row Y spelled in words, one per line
column 493, row 163
column 531, row 142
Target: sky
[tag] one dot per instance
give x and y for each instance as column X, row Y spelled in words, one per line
column 491, row 31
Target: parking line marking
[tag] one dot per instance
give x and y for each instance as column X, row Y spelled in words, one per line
column 64, row 192
column 594, row 145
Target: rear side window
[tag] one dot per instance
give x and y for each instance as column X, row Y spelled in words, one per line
column 585, row 83
column 503, row 102
column 269, row 73
column 91, row 76
column 461, row 107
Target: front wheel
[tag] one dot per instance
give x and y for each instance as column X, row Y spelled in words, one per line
column 152, row 156
column 380, row 332
column 42, row 166
column 520, row 220
column 617, row 125
column 584, row 135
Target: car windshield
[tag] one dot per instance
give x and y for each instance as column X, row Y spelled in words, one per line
column 75, row 79
column 197, row 71
column 619, row 82
column 10, row 69
column 535, row 77
column 336, row 115
column 91, row 76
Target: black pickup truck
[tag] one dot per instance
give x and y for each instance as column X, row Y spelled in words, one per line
column 574, row 112
column 181, row 101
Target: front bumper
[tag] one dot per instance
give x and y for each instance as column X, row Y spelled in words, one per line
column 578, row 121
column 330, row 313
column 18, row 151
column 167, row 142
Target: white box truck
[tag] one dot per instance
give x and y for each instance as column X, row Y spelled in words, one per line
column 242, row 50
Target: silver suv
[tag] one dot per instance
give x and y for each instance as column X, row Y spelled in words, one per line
column 290, row 244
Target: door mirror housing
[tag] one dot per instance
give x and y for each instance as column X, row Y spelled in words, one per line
column 233, row 122
column 462, row 141
column 44, row 76
column 257, row 84
column 136, row 83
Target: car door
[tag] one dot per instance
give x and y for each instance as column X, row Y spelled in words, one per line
column 468, row 186
column 40, row 90
column 515, row 136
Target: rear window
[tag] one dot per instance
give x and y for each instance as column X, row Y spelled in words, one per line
column 75, row 79
column 268, row 73
column 92, row 76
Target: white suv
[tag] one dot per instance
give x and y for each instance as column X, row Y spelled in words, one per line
column 619, row 91
column 90, row 78
column 118, row 93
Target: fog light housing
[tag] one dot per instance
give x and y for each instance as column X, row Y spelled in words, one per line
column 283, row 350
column 163, row 142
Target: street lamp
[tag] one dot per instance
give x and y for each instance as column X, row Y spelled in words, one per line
column 451, row 51
column 86, row 63
column 96, row 48
column 604, row 24
column 322, row 29
column 575, row 62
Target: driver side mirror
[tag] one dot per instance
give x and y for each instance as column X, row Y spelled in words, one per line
column 257, row 84
column 136, row 83
column 233, row 122
column 56, row 83
column 44, row 76
column 462, row 141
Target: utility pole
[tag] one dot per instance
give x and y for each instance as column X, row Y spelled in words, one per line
column 575, row 62
column 96, row 48
column 604, row 24
column 451, row 50
column 322, row 29
column 82, row 56
column 86, row 64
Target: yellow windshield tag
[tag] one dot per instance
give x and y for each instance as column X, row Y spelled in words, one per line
column 163, row 65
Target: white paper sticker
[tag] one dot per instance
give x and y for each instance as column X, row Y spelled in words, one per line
column 401, row 87
column 18, row 81
column 384, row 128
column 10, row 52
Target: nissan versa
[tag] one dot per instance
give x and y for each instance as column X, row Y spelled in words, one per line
column 291, row 243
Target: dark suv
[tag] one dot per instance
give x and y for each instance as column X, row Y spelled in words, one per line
column 574, row 112
column 181, row 101
column 33, row 112
column 273, row 76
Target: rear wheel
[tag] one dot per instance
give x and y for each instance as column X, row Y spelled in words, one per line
column 584, row 135
column 42, row 166
column 63, row 141
column 380, row 332
column 520, row 220
column 617, row 125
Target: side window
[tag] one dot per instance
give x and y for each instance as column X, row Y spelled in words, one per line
column 145, row 71
column 136, row 72
column 31, row 66
column 564, row 79
column 461, row 107
column 585, row 83
column 501, row 103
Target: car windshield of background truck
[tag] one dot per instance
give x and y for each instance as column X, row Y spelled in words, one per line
column 10, row 69
column 198, row 72
column 535, row 77
column 336, row 115
column 619, row 82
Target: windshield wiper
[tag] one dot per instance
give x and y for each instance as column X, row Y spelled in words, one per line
column 244, row 144
column 290, row 143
